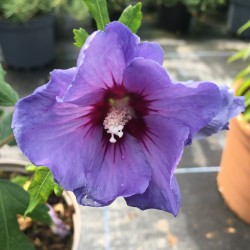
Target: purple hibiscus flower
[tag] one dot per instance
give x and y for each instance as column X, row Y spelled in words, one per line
column 115, row 125
column 231, row 107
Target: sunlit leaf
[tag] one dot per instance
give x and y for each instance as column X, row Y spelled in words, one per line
column 80, row 36
column 30, row 167
column 99, row 11
column 243, row 86
column 132, row 17
column 244, row 27
column 236, row 56
column 244, row 72
column 41, row 187
column 19, row 180
column 58, row 190
column 247, row 52
column 247, row 114
column 247, row 98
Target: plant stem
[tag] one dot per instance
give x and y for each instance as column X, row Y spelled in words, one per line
column 7, row 140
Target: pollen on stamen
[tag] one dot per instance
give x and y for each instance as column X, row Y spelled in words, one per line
column 115, row 121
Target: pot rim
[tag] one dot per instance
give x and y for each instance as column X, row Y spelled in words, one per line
column 18, row 166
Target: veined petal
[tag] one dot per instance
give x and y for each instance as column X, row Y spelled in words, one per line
column 163, row 146
column 60, row 81
column 57, row 135
column 101, row 64
column 231, row 106
column 150, row 51
column 146, row 50
column 86, row 45
column 145, row 76
column 194, row 104
column 107, row 53
column 119, row 170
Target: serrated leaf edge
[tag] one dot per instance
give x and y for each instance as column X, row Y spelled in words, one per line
column 27, row 210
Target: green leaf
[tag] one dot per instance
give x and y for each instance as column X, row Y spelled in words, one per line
column 80, row 36
column 58, row 190
column 20, row 180
column 244, row 85
column 41, row 187
column 247, row 52
column 242, row 54
column 5, row 124
column 6, row 134
column 99, row 11
column 13, row 201
column 236, row 56
column 247, row 98
column 132, row 17
column 8, row 96
column 41, row 214
column 244, row 27
column 30, row 167
column 247, row 115
column 243, row 73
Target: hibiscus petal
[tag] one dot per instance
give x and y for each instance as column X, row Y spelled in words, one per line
column 163, row 148
column 60, row 80
column 104, row 57
column 145, row 76
column 147, row 50
column 86, row 45
column 101, row 64
column 56, row 134
column 231, row 106
column 194, row 104
column 150, row 51
column 120, row 169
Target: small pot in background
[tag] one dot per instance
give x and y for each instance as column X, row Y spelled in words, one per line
column 28, row 45
column 174, row 18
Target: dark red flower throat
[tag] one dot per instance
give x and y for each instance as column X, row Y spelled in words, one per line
column 121, row 111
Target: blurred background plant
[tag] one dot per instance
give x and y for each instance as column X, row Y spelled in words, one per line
column 118, row 5
column 203, row 7
column 75, row 8
column 242, row 79
column 8, row 98
column 178, row 16
column 30, row 22
column 196, row 7
column 23, row 10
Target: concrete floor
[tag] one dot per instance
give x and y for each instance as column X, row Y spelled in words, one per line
column 204, row 222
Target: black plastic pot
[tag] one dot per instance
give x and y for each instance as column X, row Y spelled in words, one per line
column 175, row 18
column 238, row 14
column 28, row 45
